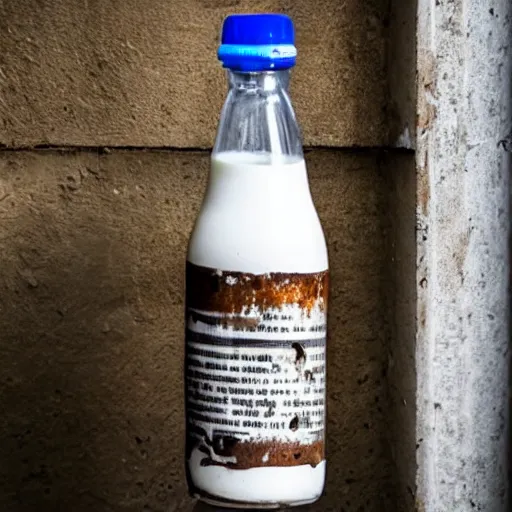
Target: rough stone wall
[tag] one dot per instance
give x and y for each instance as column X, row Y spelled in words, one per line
column 93, row 249
column 144, row 73
column 93, row 241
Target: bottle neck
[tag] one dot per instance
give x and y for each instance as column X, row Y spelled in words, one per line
column 264, row 81
column 258, row 117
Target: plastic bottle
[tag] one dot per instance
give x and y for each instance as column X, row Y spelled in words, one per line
column 257, row 290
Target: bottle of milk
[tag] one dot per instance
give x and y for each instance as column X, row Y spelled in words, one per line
column 257, row 290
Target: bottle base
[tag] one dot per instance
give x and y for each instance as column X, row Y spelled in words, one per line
column 263, row 488
column 215, row 501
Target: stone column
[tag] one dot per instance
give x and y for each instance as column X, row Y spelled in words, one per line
column 463, row 215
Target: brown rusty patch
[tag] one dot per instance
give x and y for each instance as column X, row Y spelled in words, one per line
column 419, row 506
column 426, row 90
column 428, row 112
column 424, row 186
column 270, row 453
column 229, row 292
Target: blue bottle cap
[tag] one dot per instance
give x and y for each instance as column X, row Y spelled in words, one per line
column 258, row 42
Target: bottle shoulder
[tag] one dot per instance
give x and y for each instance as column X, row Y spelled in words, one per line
column 258, row 218
column 257, row 252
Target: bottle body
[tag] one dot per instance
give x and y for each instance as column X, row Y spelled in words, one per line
column 256, row 312
column 257, row 287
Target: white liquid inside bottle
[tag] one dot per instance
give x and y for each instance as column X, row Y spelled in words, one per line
column 258, row 216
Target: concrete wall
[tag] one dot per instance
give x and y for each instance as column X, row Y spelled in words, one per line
column 463, row 342
column 134, row 73
column 93, row 241
column 93, row 249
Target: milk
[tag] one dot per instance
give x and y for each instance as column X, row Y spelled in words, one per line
column 258, row 216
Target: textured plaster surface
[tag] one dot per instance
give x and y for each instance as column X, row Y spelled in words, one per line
column 464, row 109
column 91, row 308
column 145, row 73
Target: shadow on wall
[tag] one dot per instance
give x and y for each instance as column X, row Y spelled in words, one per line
column 509, row 423
column 401, row 295
column 91, row 309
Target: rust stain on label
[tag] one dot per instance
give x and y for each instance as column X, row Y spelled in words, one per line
column 267, row 453
column 230, row 292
